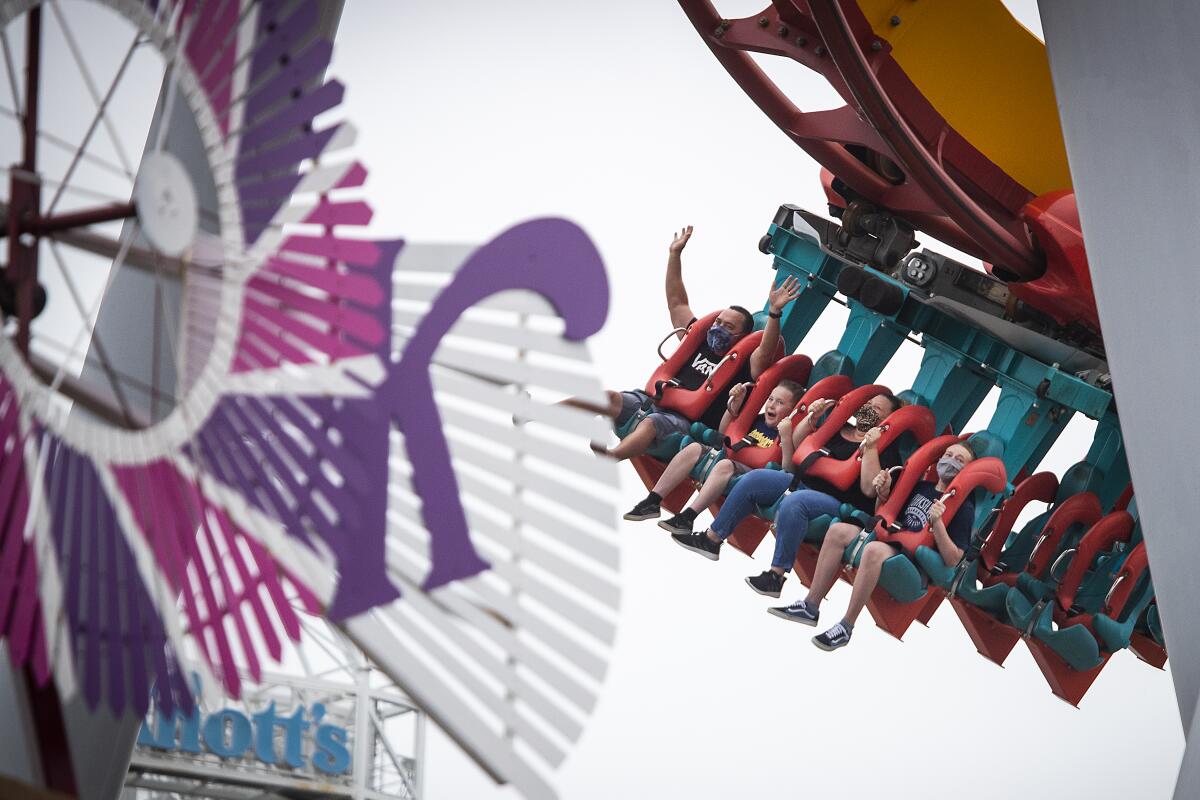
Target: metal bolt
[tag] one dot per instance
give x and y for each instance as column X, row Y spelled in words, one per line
column 783, row 30
column 763, row 22
column 801, row 41
column 895, row 21
column 876, row 45
column 820, row 51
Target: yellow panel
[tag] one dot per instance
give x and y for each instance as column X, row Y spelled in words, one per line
column 987, row 75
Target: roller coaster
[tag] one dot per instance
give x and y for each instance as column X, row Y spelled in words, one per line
column 911, row 151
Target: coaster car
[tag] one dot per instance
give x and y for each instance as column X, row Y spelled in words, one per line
column 905, row 592
column 1091, row 613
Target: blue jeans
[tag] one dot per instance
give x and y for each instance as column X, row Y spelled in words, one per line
column 791, row 522
column 762, row 487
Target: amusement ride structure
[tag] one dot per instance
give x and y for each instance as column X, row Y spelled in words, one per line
column 161, row 492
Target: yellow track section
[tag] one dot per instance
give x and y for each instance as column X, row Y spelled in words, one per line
column 987, row 75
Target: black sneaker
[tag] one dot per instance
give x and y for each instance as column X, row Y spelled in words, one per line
column 798, row 611
column 646, row 509
column 832, row 639
column 699, row 543
column 768, row 583
column 677, row 524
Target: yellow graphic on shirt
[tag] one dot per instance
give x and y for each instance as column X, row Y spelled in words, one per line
column 759, row 438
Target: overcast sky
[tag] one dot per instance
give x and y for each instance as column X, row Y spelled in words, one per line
column 476, row 116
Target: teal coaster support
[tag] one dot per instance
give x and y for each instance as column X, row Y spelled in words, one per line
column 950, row 385
column 798, row 254
column 1107, row 455
column 869, row 341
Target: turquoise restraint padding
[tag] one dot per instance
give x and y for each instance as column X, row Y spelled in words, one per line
column 705, row 465
column 901, row 579
column 1115, row 633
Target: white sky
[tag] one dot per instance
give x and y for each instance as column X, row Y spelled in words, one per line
column 615, row 115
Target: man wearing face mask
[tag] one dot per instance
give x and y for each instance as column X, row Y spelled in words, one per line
column 924, row 507
column 730, row 325
column 809, row 499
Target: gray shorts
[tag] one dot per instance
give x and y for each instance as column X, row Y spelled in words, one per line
column 665, row 422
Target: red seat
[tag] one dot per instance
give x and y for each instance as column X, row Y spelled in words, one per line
column 692, row 403
column 793, row 368
column 987, row 473
column 751, row 531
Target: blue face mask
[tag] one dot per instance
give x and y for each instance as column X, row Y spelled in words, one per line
column 948, row 467
column 719, row 339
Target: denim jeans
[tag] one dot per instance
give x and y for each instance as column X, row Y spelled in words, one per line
column 762, row 487
column 791, row 522
column 759, row 487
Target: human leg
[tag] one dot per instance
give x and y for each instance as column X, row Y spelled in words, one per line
column 867, row 577
column 713, row 486
column 791, row 524
column 758, row 487
column 636, row 443
column 865, row 581
column 678, row 469
column 829, row 562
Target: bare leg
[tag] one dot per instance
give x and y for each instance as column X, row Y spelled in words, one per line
column 874, row 554
column 713, row 486
column 677, row 471
column 636, row 443
column 611, row 409
column 829, row 562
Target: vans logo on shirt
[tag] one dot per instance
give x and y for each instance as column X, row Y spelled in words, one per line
column 703, row 365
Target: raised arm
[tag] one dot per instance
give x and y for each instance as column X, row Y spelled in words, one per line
column 870, row 462
column 677, row 296
column 787, row 291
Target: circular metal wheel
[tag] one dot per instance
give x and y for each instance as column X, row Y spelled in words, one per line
column 169, row 193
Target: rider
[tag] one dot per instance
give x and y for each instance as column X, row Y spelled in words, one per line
column 810, row 497
column 924, row 507
column 730, row 325
column 772, row 425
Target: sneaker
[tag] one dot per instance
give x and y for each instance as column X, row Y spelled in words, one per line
column 698, row 543
column 798, row 611
column 832, row 639
column 677, row 524
column 768, row 583
column 646, row 509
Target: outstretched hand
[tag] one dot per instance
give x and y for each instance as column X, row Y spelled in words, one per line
column 787, row 291
column 681, row 239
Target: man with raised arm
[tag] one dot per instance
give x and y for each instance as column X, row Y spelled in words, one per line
column 731, row 325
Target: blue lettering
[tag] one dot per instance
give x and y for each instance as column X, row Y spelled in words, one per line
column 264, row 734
column 331, row 756
column 239, row 738
column 295, row 725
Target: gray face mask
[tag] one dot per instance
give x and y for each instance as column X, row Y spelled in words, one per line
column 948, row 467
column 866, row 417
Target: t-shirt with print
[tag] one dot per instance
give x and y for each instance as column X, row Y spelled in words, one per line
column 761, row 433
column 916, row 514
column 695, row 372
column 841, row 448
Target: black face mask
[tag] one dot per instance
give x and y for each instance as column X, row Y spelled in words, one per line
column 866, row 417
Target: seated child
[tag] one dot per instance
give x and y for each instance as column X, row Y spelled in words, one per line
column 924, row 507
column 767, row 430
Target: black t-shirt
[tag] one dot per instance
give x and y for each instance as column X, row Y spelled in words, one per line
column 695, row 372
column 841, row 448
column 916, row 514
